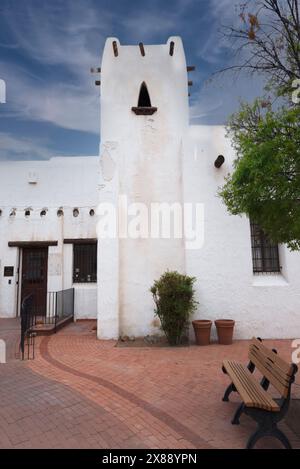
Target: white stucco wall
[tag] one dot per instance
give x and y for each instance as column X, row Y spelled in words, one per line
column 159, row 158
column 65, row 183
column 148, row 159
column 141, row 159
column 262, row 305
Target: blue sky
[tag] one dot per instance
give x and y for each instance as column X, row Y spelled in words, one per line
column 47, row 48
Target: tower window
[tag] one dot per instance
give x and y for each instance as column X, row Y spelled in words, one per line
column 144, row 102
column 265, row 253
column 144, row 98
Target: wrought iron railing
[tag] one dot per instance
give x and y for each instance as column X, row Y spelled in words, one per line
column 60, row 306
column 27, row 323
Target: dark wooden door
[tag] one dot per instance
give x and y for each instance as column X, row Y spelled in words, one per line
column 34, row 277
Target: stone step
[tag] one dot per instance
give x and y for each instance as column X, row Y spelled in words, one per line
column 47, row 329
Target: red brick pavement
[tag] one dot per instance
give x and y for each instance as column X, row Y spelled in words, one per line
column 80, row 392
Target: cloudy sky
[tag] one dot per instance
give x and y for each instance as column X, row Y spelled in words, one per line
column 47, row 49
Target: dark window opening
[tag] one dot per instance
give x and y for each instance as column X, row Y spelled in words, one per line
column 144, row 107
column 265, row 253
column 85, row 263
column 144, row 98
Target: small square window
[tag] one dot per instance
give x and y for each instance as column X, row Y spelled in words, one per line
column 85, row 263
column 265, row 253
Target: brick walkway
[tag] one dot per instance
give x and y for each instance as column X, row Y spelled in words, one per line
column 84, row 393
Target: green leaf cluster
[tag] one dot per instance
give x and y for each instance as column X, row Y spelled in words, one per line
column 174, row 298
column 265, row 183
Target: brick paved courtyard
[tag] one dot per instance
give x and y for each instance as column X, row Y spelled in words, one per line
column 84, row 393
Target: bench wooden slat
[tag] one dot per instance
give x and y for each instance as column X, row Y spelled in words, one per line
column 266, row 363
column 251, row 387
column 247, row 385
column 252, row 394
column 274, row 368
column 285, row 367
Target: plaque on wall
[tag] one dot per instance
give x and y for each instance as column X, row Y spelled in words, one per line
column 8, row 271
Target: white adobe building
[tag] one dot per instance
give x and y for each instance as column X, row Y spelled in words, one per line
column 39, row 203
column 149, row 154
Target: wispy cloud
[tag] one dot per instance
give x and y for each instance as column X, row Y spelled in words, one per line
column 145, row 26
column 58, row 33
column 50, row 47
column 70, row 38
column 218, row 99
column 74, row 107
column 220, row 13
column 159, row 19
column 12, row 147
column 220, row 96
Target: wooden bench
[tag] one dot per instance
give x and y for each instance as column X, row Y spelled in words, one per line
column 258, row 403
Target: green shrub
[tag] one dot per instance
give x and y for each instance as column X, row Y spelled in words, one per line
column 173, row 295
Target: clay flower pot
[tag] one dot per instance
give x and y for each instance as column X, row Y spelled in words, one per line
column 202, row 330
column 225, row 330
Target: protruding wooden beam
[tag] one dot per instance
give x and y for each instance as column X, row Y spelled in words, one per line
column 95, row 70
column 191, row 68
column 190, row 83
column 219, row 161
column 115, row 48
column 98, row 82
column 141, row 45
column 172, row 45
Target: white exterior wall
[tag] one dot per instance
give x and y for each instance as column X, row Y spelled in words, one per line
column 65, row 183
column 142, row 159
column 148, row 159
column 264, row 305
column 159, row 159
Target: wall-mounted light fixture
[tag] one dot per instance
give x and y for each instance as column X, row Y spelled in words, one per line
column 219, row 161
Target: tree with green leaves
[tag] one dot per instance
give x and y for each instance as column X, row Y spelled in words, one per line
column 265, row 183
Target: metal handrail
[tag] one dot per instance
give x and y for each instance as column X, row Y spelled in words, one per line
column 28, row 320
column 60, row 305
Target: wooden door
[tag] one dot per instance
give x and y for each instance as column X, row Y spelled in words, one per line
column 34, row 277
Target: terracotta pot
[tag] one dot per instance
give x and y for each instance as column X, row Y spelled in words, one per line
column 202, row 330
column 225, row 330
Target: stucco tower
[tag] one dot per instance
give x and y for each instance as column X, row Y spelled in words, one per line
column 144, row 118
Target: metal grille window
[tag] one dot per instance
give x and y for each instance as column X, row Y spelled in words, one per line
column 265, row 253
column 85, row 263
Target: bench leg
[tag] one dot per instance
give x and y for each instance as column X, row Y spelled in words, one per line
column 231, row 388
column 255, row 437
column 274, row 432
column 236, row 418
column 281, row 437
